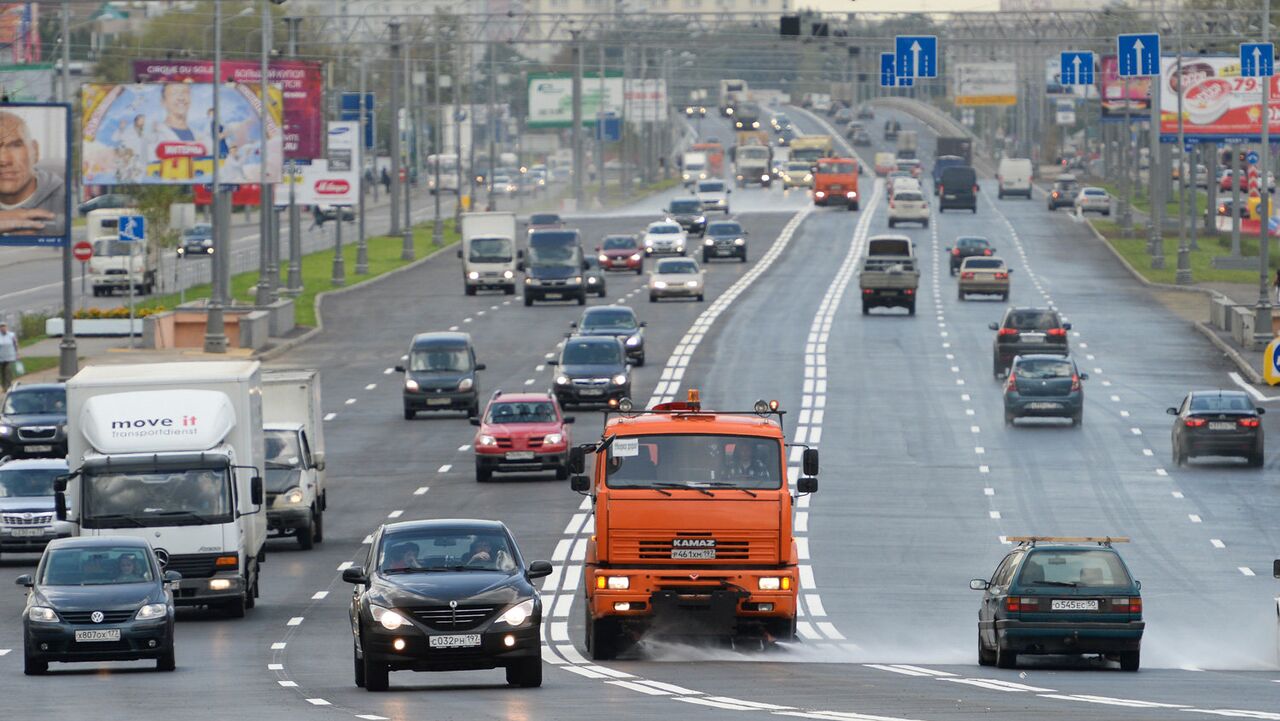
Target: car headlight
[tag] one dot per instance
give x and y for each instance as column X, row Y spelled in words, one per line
column 691, row 284
column 517, row 614
column 473, row 275
column 42, row 614
column 389, row 619
column 508, row 274
column 620, row 379
column 684, row 176
column 680, row 248
column 410, row 384
column 648, row 242
column 552, row 439
column 701, row 219
column 466, row 384
column 765, row 177
column 530, row 281
column 562, row 380
column 591, row 281
column 702, row 176
column 152, row 610
column 808, row 177
column 739, row 241
column 659, row 284
column 577, row 279
column 635, row 256
column 819, row 194
column 635, row 340
column 709, row 241
column 6, row 430
column 603, row 258
column 293, row 496
column 487, row 441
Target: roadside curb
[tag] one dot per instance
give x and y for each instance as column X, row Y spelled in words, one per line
column 292, row 343
column 1208, row 332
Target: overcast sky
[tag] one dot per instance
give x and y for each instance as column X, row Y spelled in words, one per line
column 872, row 6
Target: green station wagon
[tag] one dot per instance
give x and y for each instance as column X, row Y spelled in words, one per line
column 1056, row 595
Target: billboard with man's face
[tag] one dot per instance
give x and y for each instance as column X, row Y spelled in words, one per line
column 35, row 161
column 163, row 134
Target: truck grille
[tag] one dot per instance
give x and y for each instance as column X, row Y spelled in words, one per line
column 193, row 565
column 730, row 547
column 453, row 619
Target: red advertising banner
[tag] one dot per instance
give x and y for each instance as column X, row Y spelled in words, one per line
column 301, row 83
column 1217, row 103
column 244, row 194
column 1114, row 98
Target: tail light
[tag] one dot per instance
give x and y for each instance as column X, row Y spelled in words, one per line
column 966, row 276
column 1248, row 422
column 1007, row 332
column 1057, row 333
column 1002, row 276
column 1075, row 382
column 955, row 251
column 1127, row 605
column 1017, row 604
column 975, row 188
column 987, row 251
column 1011, row 383
column 868, row 291
column 909, row 291
column 1194, row 422
column 1055, row 193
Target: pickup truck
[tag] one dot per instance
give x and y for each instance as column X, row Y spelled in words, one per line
column 888, row 275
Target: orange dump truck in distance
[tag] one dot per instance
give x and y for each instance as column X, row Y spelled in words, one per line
column 715, row 157
column 693, row 525
column 835, row 180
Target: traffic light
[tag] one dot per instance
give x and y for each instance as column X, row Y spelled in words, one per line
column 790, row 25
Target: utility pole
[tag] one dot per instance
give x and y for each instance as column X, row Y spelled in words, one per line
column 1156, row 175
column 492, row 125
column 215, row 337
column 456, row 85
column 1186, row 166
column 1262, row 332
column 577, row 118
column 1126, row 162
column 600, row 193
column 394, row 61
column 362, row 249
column 410, row 165
column 68, row 360
column 437, row 144
column 625, row 152
column 268, row 273
column 295, row 216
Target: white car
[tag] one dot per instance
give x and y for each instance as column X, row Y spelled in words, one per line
column 665, row 237
column 676, row 278
column 503, row 185
column 901, row 185
column 1093, row 200
column 909, row 206
column 714, row 195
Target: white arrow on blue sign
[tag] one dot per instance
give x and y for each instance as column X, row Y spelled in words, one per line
column 888, row 73
column 1076, row 68
column 1257, row 60
column 1138, row 54
column 132, row 228
column 917, row 56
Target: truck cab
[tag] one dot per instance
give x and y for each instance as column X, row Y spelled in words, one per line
column 293, row 435
column 117, row 264
column 693, row 525
column 489, row 255
column 889, row 275
column 835, row 180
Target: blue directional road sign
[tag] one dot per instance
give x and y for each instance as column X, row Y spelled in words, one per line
column 132, row 228
column 916, row 56
column 1257, row 60
column 1138, row 54
column 608, row 127
column 1076, row 68
column 1252, row 157
column 889, row 75
column 351, row 111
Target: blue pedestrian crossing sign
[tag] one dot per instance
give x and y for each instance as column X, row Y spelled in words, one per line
column 1271, row 362
column 917, row 56
column 889, row 77
column 1257, row 60
column 1138, row 54
column 133, row 228
column 1076, row 68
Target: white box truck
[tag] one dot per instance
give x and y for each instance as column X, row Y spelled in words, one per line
column 489, row 255
column 693, row 166
column 293, row 434
column 115, row 264
column 172, row 452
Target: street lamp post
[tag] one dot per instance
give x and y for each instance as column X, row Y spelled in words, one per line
column 362, row 249
column 1262, row 332
column 437, row 143
column 406, row 247
column 268, row 273
column 68, row 361
column 294, row 281
column 394, row 55
column 215, row 337
column 1185, row 167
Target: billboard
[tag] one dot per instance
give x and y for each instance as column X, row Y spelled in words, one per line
column 1114, row 100
column 646, row 100
column 162, row 134
column 35, row 153
column 986, row 84
column 19, row 31
column 301, row 83
column 551, row 98
column 315, row 184
column 28, row 83
column 1217, row 103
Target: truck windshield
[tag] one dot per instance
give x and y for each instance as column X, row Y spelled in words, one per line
column 836, row 168
column 111, row 247
column 490, row 250
column 145, row 498
column 695, row 462
column 282, row 449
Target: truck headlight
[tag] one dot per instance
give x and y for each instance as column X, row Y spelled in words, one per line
column 152, row 610
column 615, row 583
column 770, row 583
column 620, row 379
column 293, row 496
column 410, row 384
column 508, row 274
column 389, row 619
column 553, row 439
column 473, row 275
column 42, row 614
column 466, row 384
column 517, row 614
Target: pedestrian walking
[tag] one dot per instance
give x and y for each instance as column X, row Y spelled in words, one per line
column 8, row 356
column 386, row 180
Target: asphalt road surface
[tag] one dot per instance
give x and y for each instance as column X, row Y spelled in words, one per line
column 920, row 482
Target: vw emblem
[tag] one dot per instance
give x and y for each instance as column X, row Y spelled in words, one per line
column 162, row 556
column 96, row 617
column 453, row 604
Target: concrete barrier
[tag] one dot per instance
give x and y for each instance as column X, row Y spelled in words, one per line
column 282, row 317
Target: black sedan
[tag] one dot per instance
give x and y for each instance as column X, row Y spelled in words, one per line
column 101, row 598
column 616, row 321
column 197, row 241
column 445, row 595
column 689, row 213
column 967, row 247
column 33, row 421
column 1025, row 331
column 1217, row 423
column 591, row 370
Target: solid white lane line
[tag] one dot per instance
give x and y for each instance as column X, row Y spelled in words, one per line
column 903, row 670
column 1130, row 703
column 371, row 717
column 1257, row 395
column 640, row 688
column 668, row 687
column 928, row 671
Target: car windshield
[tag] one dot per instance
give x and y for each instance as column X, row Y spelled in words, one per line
column 677, row 267
column 798, row 166
column 544, row 219
column 619, row 242
column 1094, row 192
column 836, row 168
column 597, row 354
column 490, row 250
column 28, row 482
column 198, row 231
column 430, row 549
column 1044, row 368
column 1032, row 320
column 974, row 243
column 694, row 461
column 442, row 359
column 522, row 412
column 686, row 206
column 1220, row 402
column 716, row 187
column 36, row 402
column 610, row 319
column 1070, row 567
column 724, row 229
column 111, row 247
column 985, row 263
column 123, row 499
column 95, row 566
column 552, row 249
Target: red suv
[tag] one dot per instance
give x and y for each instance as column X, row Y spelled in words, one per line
column 521, row 433
column 621, row 252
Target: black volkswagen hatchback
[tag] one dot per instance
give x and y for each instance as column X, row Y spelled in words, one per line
column 101, row 598
column 445, row 595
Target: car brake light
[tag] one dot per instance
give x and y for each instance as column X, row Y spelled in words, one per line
column 1021, row 603
column 909, row 291
column 1006, row 332
column 868, row 291
column 1057, row 332
column 975, row 188
column 1075, row 382
column 1248, row 422
column 1194, row 422
column 1002, row 276
column 955, row 251
column 987, row 251
column 1055, row 193
column 1011, row 383
column 966, row 276
column 1127, row 605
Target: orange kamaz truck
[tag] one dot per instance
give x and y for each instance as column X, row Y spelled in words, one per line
column 693, row 530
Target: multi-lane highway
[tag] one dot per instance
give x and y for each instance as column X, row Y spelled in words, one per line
column 920, row 481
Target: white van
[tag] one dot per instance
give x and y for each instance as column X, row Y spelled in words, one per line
column 1014, row 177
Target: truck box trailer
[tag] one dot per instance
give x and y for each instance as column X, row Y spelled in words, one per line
column 293, row 431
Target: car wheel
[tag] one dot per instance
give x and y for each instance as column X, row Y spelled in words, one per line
column 306, row 537
column 32, row 667
column 376, row 675
column 891, row 223
column 743, row 257
column 639, row 270
column 582, row 298
column 484, row 475
column 866, row 308
column 562, row 473
column 1004, row 296
column 705, row 258
column 1077, row 419
column 166, row 661
column 526, row 673
column 317, row 528
column 509, row 290
column 985, row 657
column 911, row 309
column 640, row 361
column 410, row 414
column 1130, row 661
column 1179, row 457
column 527, row 300
column 1004, row 657
column 653, row 298
column 960, row 294
column 1009, row 418
column 700, row 297
column 469, row 289
column 1257, row 459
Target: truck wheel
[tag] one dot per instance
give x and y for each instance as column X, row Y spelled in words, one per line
column 236, row 608
column 782, row 630
column 602, row 639
column 526, row 673
column 911, row 309
column 306, row 534
column 469, row 289
column 866, row 308
column 853, row 206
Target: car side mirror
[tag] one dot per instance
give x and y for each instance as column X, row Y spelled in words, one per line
column 400, row 369
column 1066, row 326
column 979, row 584
column 577, row 460
column 474, row 421
column 947, row 249
column 1275, row 568
column 579, row 484
column 1084, row 376
column 810, row 462
column 569, row 419
column 1261, row 411
column 480, row 366
column 1171, row 411
column 520, row 254
column 318, row 464
column 255, row 490
column 574, row 324
column 644, row 324
column 172, row 576
column 993, row 326
column 25, row 579
column 1009, row 271
column 459, row 253
column 808, row 484
column 586, row 265
column 538, row 569
column 355, row 574
column 976, row 188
